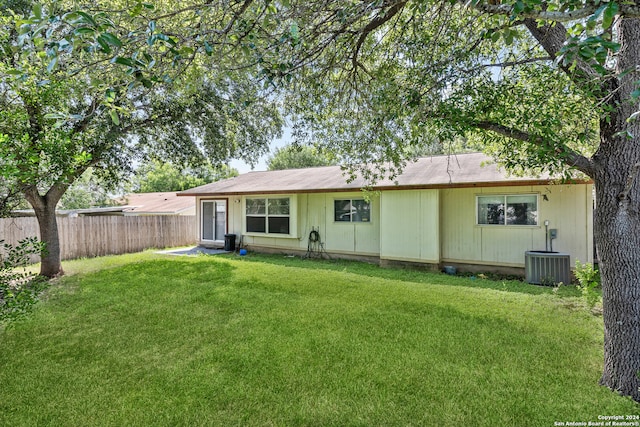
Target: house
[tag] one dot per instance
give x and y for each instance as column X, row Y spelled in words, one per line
column 461, row 210
column 159, row 203
column 74, row 213
column 133, row 204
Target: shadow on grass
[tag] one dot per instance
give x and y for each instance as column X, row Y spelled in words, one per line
column 157, row 275
column 406, row 274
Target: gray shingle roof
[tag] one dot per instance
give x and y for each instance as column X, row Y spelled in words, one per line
column 156, row 203
column 462, row 170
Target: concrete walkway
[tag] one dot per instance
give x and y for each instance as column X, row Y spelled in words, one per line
column 195, row 250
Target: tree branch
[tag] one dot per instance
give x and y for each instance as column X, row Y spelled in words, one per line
column 236, row 15
column 81, row 125
column 34, row 114
column 569, row 157
column 552, row 38
column 552, row 35
column 378, row 21
column 510, row 63
column 630, row 10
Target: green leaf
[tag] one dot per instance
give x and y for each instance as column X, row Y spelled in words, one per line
column 54, row 116
column 86, row 18
column 518, row 7
column 83, row 30
column 104, row 44
column 52, row 64
column 70, row 16
column 186, row 51
column 110, row 95
column 295, row 34
column 598, row 12
column 609, row 14
column 123, row 61
column 24, row 28
column 37, row 11
column 508, row 37
column 114, row 117
column 207, row 48
column 111, row 39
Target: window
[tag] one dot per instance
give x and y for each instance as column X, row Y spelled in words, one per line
column 508, row 210
column 351, row 210
column 268, row 215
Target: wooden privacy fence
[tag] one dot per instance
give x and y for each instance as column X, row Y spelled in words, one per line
column 92, row 236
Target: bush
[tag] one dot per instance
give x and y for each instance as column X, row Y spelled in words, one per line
column 589, row 283
column 19, row 289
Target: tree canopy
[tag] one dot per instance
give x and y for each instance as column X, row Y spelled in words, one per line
column 298, row 156
column 73, row 96
column 542, row 85
column 155, row 176
column 87, row 191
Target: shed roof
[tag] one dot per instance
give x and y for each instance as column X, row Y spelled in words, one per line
column 461, row 170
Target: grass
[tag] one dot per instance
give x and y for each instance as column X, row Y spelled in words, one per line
column 265, row 340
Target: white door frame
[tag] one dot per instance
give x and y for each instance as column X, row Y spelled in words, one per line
column 215, row 232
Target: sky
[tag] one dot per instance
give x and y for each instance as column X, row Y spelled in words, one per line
column 262, row 163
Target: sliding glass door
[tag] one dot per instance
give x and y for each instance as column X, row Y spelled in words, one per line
column 214, row 220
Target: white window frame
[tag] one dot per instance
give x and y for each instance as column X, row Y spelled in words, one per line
column 291, row 216
column 505, row 196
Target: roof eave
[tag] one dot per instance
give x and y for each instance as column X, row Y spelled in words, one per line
column 514, row 183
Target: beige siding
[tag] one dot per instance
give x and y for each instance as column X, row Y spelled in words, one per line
column 362, row 238
column 315, row 211
column 568, row 210
column 433, row 226
column 459, row 238
column 410, row 227
column 235, row 216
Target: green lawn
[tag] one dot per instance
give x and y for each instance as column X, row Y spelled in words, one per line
column 150, row 340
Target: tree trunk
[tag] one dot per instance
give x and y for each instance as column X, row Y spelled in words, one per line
column 45, row 210
column 51, row 264
column 617, row 229
column 617, row 222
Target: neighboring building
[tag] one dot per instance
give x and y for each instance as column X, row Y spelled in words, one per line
column 134, row 204
column 162, row 203
column 441, row 210
column 74, row 213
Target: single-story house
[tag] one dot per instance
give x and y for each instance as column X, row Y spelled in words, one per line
column 133, row 204
column 459, row 210
column 158, row 203
column 74, row 213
